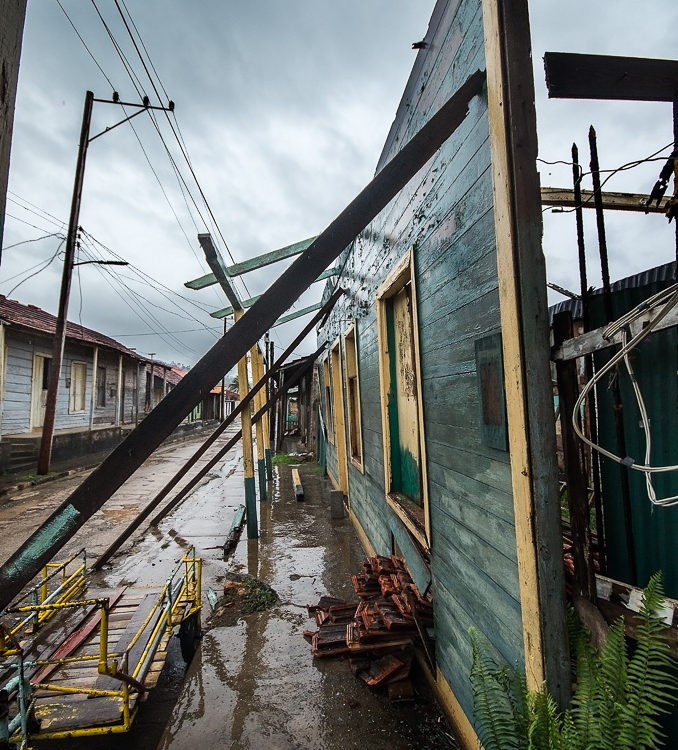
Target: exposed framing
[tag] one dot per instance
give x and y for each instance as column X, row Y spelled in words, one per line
column 402, row 273
column 352, row 373
column 524, row 322
column 339, row 421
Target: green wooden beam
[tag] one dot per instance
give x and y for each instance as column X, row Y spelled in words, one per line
column 226, row 311
column 253, row 263
column 216, row 263
column 298, row 314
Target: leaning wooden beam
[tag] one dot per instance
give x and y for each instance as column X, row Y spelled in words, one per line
column 260, row 261
column 564, row 197
column 298, row 374
column 221, row 275
column 594, row 341
column 244, row 402
column 575, row 76
column 128, row 456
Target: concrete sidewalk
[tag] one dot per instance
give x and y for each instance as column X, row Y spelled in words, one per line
column 255, row 684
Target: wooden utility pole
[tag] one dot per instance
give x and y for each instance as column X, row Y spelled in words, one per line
column 60, row 331
column 247, row 455
column 257, row 374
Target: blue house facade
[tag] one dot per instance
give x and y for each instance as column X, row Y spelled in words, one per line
column 435, row 383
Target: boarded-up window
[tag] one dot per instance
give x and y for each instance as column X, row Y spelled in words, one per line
column 101, row 386
column 490, row 373
column 353, row 398
column 401, row 407
column 76, row 396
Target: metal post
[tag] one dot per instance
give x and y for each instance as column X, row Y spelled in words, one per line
column 60, row 330
column 257, row 372
column 616, row 392
column 247, row 456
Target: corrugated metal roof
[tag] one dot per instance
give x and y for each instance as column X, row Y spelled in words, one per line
column 664, row 274
column 33, row 318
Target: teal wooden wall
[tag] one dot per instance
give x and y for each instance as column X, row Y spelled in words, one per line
column 446, row 213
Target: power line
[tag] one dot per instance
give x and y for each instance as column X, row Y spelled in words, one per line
column 96, row 62
column 179, row 141
column 45, row 264
column 35, row 239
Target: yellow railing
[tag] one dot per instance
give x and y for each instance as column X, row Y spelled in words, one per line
column 179, row 591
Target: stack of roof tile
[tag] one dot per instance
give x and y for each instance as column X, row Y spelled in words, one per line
column 379, row 631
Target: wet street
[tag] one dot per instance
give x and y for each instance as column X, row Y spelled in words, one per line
column 254, row 684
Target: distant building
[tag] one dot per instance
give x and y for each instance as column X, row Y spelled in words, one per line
column 104, row 390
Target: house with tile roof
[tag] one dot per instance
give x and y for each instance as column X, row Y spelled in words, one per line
column 105, row 388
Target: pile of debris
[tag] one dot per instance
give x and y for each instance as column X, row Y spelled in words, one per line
column 378, row 633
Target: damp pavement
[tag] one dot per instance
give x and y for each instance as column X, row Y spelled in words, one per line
column 254, row 684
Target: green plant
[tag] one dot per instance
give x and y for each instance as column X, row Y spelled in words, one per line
column 284, row 459
column 617, row 699
column 258, row 597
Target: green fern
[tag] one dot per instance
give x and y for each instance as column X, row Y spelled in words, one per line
column 650, row 689
column 494, row 712
column 616, row 702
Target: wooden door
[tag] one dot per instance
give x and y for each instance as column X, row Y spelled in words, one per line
column 39, row 385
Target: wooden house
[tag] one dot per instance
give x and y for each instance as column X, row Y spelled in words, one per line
column 104, row 389
column 435, row 382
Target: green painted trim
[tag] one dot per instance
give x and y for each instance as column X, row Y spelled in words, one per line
column 226, row 311
column 271, row 257
column 261, row 465
column 298, row 314
column 268, row 457
column 252, row 264
column 251, row 508
column 392, row 401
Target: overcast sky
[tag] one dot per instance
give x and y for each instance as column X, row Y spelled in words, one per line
column 283, row 108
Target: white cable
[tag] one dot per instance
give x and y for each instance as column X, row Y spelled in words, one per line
column 668, row 298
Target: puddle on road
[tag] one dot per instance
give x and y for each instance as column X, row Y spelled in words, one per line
column 257, row 685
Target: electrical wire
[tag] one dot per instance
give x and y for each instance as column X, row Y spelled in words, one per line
column 96, row 62
column 612, row 172
column 179, row 140
column 35, row 239
column 668, row 298
column 45, row 264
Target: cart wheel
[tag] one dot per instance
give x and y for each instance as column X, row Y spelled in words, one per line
column 189, row 636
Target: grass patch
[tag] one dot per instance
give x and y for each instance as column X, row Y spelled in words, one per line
column 284, row 459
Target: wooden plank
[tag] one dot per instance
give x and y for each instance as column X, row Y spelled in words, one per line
column 69, row 713
column 594, row 341
column 564, row 197
column 251, row 264
column 577, row 76
column 416, row 564
column 226, row 311
column 298, row 487
column 524, row 318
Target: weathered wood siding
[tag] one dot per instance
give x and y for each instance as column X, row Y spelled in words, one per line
column 446, row 215
column 20, row 349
